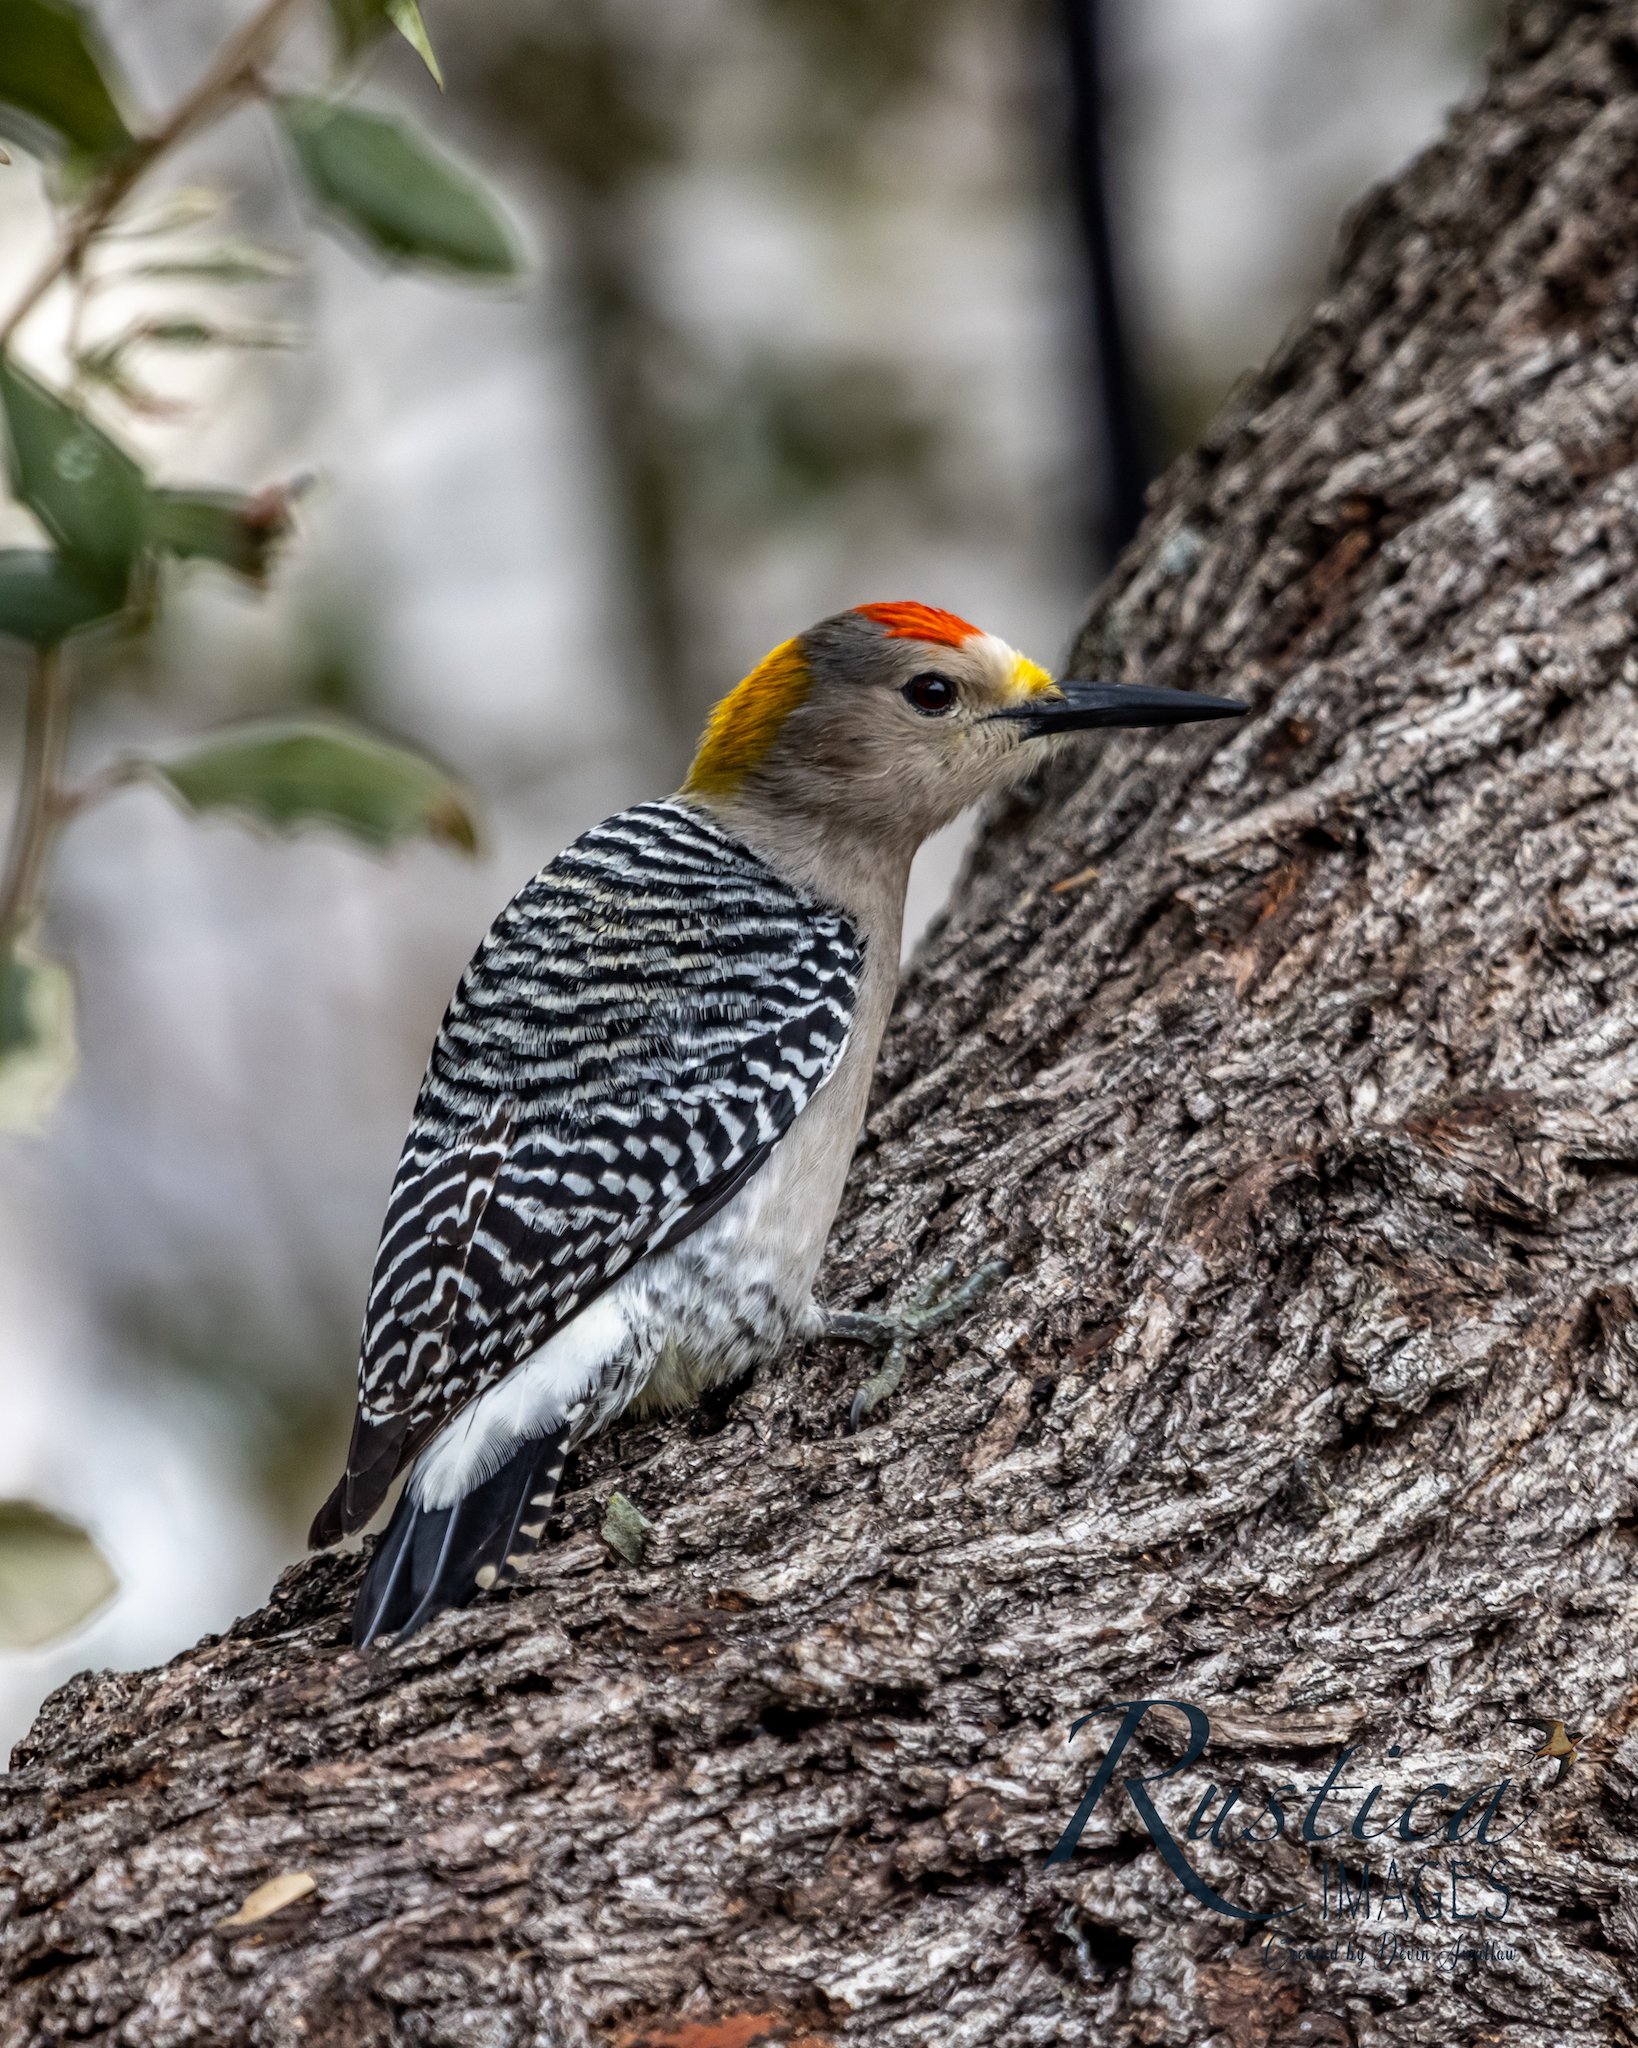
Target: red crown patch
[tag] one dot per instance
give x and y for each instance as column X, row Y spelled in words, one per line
column 918, row 622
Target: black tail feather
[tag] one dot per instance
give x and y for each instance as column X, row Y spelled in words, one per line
column 428, row 1559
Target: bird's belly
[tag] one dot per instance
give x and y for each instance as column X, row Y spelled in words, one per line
column 740, row 1288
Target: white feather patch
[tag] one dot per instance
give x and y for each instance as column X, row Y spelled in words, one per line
column 531, row 1401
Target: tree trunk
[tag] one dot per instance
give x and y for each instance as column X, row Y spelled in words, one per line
column 1294, row 1071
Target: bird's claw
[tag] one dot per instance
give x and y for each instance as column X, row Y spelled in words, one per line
column 935, row 1302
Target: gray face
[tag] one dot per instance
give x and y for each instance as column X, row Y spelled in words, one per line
column 896, row 736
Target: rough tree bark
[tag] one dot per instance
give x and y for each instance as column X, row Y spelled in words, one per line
column 1295, row 1072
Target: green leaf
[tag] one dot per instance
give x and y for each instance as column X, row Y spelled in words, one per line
column 406, row 198
column 52, row 1575
column 359, row 23
column 219, row 263
column 36, row 1037
column 108, row 363
column 293, row 772
column 44, row 598
column 183, row 332
column 87, row 493
column 406, row 18
column 52, row 72
column 219, row 526
column 187, row 207
column 177, row 333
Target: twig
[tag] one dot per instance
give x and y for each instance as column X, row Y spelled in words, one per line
column 118, row 774
column 39, row 811
column 43, row 804
column 233, row 74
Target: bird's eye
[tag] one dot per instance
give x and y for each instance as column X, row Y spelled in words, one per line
column 931, row 694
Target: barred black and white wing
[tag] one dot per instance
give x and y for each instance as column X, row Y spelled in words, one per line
column 641, row 1025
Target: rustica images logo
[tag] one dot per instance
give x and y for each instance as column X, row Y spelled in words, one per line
column 1397, row 1870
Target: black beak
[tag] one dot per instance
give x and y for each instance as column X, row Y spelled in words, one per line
column 1080, row 705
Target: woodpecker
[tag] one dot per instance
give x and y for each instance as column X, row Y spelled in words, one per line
column 639, row 1111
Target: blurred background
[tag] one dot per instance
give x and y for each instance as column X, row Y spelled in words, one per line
column 818, row 310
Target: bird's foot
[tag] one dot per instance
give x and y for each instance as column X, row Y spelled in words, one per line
column 936, row 1302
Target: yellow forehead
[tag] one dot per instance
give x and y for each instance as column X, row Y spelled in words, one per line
column 746, row 723
column 1028, row 678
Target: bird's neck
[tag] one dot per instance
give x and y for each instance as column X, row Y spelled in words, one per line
column 865, row 877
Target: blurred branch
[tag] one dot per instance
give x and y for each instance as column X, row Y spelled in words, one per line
column 39, row 806
column 232, row 76
column 1123, row 421
column 118, row 774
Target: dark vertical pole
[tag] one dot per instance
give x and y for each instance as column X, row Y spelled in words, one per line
column 1121, row 408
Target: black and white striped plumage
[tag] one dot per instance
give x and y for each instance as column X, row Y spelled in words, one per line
column 639, row 1029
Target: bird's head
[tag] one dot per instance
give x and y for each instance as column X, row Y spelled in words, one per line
column 887, row 721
